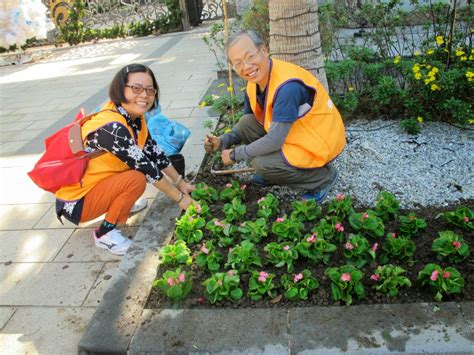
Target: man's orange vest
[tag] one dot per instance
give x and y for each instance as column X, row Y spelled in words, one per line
column 318, row 136
column 107, row 164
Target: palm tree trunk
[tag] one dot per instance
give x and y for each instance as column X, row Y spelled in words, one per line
column 294, row 35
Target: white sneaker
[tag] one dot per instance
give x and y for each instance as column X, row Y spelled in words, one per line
column 113, row 241
column 139, row 205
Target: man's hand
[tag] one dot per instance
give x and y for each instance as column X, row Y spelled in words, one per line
column 226, row 157
column 211, row 143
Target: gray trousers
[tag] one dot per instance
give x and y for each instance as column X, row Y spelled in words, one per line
column 274, row 169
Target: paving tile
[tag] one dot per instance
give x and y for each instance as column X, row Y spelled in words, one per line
column 187, row 103
column 23, row 216
column 34, row 330
column 42, row 124
column 101, row 285
column 49, row 220
column 20, row 135
column 32, row 245
column 16, row 187
column 177, row 112
column 11, row 147
column 81, row 247
column 5, row 315
column 47, row 284
column 18, row 126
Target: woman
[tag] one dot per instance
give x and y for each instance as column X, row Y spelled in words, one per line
column 115, row 180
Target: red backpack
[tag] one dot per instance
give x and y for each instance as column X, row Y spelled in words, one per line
column 65, row 160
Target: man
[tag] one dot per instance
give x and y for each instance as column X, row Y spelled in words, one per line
column 290, row 130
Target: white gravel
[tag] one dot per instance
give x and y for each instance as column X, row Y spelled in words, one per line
column 433, row 168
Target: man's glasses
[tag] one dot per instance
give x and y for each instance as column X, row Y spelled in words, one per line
column 249, row 60
column 139, row 89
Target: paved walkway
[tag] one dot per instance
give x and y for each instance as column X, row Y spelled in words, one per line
column 52, row 277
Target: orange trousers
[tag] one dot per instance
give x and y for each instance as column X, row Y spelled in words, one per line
column 114, row 196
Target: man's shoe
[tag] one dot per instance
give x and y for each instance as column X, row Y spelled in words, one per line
column 113, row 241
column 259, row 181
column 321, row 194
column 139, row 205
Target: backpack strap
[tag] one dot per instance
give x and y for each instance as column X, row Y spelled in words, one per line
column 75, row 137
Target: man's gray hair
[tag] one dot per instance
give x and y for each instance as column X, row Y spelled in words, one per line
column 253, row 35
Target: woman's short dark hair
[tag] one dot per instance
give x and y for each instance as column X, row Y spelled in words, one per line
column 117, row 86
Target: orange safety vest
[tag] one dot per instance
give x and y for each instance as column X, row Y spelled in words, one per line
column 107, row 164
column 318, row 136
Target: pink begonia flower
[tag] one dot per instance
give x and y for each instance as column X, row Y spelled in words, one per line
column 456, row 244
column 261, row 199
column 263, row 276
column 340, row 197
column 466, row 219
column 446, row 274
column 182, row 277
column 198, row 208
column 230, row 249
column 218, row 223
column 375, row 277
column 375, row 246
column 264, row 207
column 348, row 246
column 243, row 187
column 365, row 216
column 230, row 273
column 280, row 219
column 170, row 281
column 311, row 239
column 204, row 249
column 434, row 275
column 346, row 277
column 219, row 282
column 228, row 185
column 394, row 235
column 286, row 247
column 339, row 227
column 298, row 277
column 190, row 219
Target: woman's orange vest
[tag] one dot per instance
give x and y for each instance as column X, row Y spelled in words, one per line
column 318, row 136
column 107, row 164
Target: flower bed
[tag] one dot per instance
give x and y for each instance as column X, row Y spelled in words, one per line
column 238, row 253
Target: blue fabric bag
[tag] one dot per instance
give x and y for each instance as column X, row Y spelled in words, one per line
column 169, row 135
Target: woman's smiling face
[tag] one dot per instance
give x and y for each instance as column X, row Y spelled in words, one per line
column 138, row 104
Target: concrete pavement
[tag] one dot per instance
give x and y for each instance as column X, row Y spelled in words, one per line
column 52, row 277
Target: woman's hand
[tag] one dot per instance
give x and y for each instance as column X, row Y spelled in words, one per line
column 186, row 202
column 186, row 187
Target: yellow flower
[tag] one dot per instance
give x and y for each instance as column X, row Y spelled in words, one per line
column 351, row 88
column 429, row 51
column 417, row 76
column 428, row 66
column 416, row 68
column 220, row 85
column 459, row 52
column 429, row 79
column 470, row 75
column 434, row 70
column 439, row 40
column 420, row 119
column 471, row 57
column 416, row 54
column 396, row 60
column 227, row 130
column 435, row 87
column 471, row 121
column 230, row 89
column 463, row 58
column 203, row 104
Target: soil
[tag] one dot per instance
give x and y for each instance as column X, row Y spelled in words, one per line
column 322, row 295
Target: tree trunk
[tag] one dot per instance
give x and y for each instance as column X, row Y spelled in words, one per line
column 294, row 35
